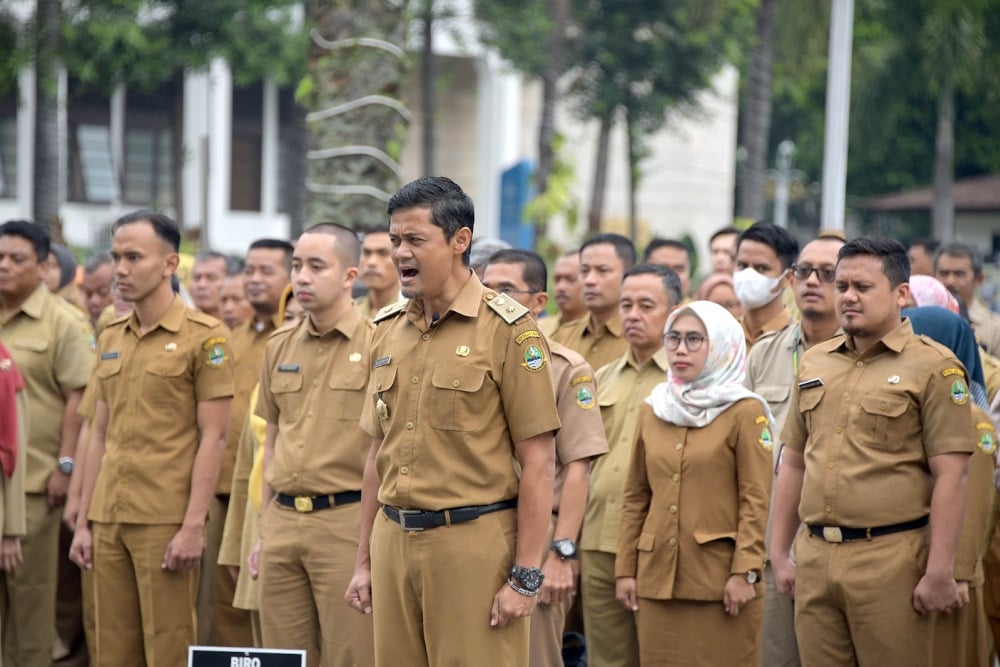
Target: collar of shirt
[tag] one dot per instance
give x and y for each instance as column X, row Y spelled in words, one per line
column 35, row 304
column 171, row 320
column 465, row 304
column 628, row 359
column 779, row 321
column 895, row 340
column 613, row 326
column 346, row 325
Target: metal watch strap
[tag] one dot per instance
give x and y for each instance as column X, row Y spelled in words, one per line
column 523, row 591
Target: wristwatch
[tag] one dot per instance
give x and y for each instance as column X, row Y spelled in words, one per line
column 565, row 548
column 525, row 580
column 66, row 465
column 753, row 577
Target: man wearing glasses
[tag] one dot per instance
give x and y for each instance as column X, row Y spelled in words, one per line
column 772, row 365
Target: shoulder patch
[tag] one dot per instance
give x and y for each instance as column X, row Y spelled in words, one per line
column 953, row 371
column 391, row 310
column 508, row 309
column 987, row 440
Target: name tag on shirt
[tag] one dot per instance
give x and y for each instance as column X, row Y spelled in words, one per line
column 108, row 356
column 810, row 384
column 382, row 361
column 289, row 368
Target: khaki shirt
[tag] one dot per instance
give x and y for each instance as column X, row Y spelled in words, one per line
column 987, row 325
column 552, row 324
column 582, row 432
column 107, row 316
column 866, row 433
column 52, row 351
column 598, row 345
column 621, row 389
column 312, row 386
column 696, row 503
column 455, row 399
column 152, row 384
column 980, row 515
column 364, row 306
column 991, row 373
column 248, row 342
column 779, row 321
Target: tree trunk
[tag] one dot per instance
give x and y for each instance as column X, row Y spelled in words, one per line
column 633, row 177
column 943, row 216
column 756, row 117
column 427, row 89
column 47, row 151
column 177, row 148
column 298, row 172
column 551, row 73
column 600, row 175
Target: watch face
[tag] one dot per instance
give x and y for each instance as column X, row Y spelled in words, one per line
column 565, row 548
column 752, row 577
column 529, row 577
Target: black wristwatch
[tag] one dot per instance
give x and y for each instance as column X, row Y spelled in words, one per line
column 565, row 548
column 526, row 580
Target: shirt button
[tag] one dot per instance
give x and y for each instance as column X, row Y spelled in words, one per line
column 455, row 383
column 828, row 509
column 831, row 465
column 301, row 445
column 860, row 364
column 404, row 470
column 409, row 425
column 847, row 394
column 295, row 475
column 679, row 446
column 426, row 337
column 310, row 414
column 322, row 350
column 882, row 406
column 840, row 429
column 673, row 509
column 414, row 379
column 677, row 477
column 672, row 541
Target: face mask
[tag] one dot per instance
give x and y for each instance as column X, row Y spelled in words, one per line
column 755, row 290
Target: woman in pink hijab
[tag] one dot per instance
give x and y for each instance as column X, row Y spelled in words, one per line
column 929, row 291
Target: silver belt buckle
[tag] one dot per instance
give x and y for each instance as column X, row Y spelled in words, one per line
column 833, row 534
column 402, row 519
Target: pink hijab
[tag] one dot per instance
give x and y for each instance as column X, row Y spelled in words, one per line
column 929, row 291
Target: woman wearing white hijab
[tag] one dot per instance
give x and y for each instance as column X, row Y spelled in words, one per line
column 691, row 543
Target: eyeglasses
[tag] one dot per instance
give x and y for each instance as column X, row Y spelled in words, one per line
column 692, row 341
column 826, row 274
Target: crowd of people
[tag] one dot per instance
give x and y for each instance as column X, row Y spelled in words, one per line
column 789, row 461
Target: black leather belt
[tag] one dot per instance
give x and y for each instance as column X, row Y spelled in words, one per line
column 313, row 503
column 837, row 534
column 422, row 519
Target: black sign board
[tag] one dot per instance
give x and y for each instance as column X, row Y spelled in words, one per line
column 219, row 656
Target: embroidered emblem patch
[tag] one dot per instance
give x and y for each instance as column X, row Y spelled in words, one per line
column 534, row 358
column 585, row 398
column 216, row 356
column 959, row 392
column 581, row 380
column 765, row 439
column 526, row 335
column 987, row 442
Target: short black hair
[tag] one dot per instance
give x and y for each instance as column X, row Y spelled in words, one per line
column 162, row 225
column 895, row 262
column 376, row 229
column 725, row 231
column 347, row 247
column 31, row 233
column 671, row 281
column 451, row 209
column 275, row 244
column 777, row 238
column 928, row 243
column 96, row 262
column 624, row 248
column 533, row 270
column 656, row 244
column 956, row 249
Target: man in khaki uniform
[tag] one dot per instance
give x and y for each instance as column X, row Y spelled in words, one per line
column 52, row 351
column 459, row 391
column 604, row 258
column 764, row 257
column 567, row 291
column 674, row 255
column 210, row 269
column 771, row 368
column 648, row 295
column 312, row 389
column 163, row 386
column 234, row 309
column 875, row 447
column 96, row 285
column 377, row 273
column 960, row 268
column 521, row 274
column 265, row 274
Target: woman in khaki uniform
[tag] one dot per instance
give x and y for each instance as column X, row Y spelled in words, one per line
column 691, row 544
column 963, row 636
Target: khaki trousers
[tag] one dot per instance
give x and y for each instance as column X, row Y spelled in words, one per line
column 71, row 643
column 547, row 624
column 694, row 633
column 991, row 588
column 854, row 601
column 612, row 636
column 219, row 623
column 29, row 593
column 307, row 561
column 962, row 638
column 145, row 615
column 779, row 645
column 433, row 592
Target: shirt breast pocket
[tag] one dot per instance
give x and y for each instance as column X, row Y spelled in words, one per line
column 287, row 391
column 882, row 422
column 457, row 404
column 383, row 384
column 162, row 377
column 347, row 394
column 808, row 401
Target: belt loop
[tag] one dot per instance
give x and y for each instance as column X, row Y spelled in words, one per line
column 447, row 517
column 868, row 534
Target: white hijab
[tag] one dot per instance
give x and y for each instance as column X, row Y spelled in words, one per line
column 720, row 384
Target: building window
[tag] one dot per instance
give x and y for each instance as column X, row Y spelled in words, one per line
column 247, row 130
column 149, row 150
column 91, row 171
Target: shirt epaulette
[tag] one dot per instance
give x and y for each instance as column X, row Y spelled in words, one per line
column 507, row 308
column 390, row 311
column 201, row 318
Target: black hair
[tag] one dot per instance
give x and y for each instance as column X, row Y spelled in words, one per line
column 30, row 232
column 928, row 243
column 956, row 249
column 451, row 209
column 671, row 281
column 624, row 248
column 275, row 244
column 735, row 231
column 656, row 244
column 777, row 238
column 347, row 247
column 895, row 262
column 532, row 266
column 163, row 226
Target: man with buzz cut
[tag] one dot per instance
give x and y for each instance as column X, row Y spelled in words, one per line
column 377, row 272
column 162, row 391
column 521, row 274
column 312, row 389
column 452, row 539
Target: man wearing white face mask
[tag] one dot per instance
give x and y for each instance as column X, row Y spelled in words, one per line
column 764, row 256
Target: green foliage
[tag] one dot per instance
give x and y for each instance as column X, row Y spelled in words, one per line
column 558, row 199
column 518, row 30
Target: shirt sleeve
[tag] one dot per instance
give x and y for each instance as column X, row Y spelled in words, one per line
column 582, row 433
column 753, row 478
column 635, row 503
column 74, row 359
column 526, row 384
column 945, row 415
column 213, row 365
